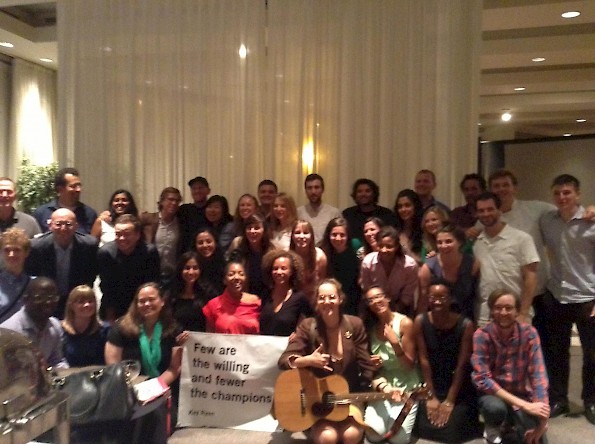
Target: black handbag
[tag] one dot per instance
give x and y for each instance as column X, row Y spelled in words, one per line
column 97, row 395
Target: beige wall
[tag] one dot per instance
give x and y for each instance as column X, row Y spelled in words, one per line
column 537, row 163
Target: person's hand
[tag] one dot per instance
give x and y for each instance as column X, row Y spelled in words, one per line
column 539, row 409
column 105, row 216
column 472, row 233
column 589, row 214
column 320, row 360
column 433, row 407
column 396, row 394
column 444, row 411
column 390, row 335
column 430, row 254
column 376, row 360
column 182, row 337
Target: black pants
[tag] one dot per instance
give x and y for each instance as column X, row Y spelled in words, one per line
column 560, row 318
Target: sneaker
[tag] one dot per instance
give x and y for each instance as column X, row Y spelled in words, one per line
column 492, row 434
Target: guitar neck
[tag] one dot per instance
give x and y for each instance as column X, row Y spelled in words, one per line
column 360, row 397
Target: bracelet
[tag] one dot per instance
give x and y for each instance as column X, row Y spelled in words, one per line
column 380, row 387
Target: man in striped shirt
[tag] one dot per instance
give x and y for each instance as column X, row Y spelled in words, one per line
column 509, row 373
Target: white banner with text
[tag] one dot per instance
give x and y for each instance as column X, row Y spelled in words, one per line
column 227, row 381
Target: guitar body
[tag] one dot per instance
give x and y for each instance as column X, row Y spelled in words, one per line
column 299, row 399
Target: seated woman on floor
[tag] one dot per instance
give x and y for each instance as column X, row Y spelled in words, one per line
column 445, row 342
column 333, row 343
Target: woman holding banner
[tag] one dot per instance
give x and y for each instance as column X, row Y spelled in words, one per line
column 234, row 311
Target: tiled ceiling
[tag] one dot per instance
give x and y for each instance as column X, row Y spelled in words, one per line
column 558, row 91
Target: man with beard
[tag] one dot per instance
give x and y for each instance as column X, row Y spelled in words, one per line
column 509, row 373
column 366, row 193
column 508, row 259
column 315, row 211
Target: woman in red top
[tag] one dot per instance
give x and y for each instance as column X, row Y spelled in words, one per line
column 234, row 311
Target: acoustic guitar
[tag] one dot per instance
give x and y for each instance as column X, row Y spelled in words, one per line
column 301, row 399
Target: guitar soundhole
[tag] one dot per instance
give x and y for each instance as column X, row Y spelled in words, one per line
column 324, row 407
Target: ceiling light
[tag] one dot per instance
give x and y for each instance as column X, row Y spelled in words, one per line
column 506, row 116
column 571, row 14
column 567, row 134
column 520, row 88
column 46, row 60
column 581, row 120
column 538, row 59
column 7, row 44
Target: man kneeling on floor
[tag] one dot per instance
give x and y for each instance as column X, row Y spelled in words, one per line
column 510, row 375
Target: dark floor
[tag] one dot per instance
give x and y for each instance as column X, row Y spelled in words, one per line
column 571, row 429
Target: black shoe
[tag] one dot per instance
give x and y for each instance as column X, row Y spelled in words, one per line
column 590, row 413
column 559, row 408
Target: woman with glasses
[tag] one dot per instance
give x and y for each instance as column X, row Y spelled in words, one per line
column 392, row 346
column 331, row 343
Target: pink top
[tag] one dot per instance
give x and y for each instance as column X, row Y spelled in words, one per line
column 226, row 314
column 400, row 284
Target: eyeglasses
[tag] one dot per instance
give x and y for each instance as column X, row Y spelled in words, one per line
column 63, row 223
column 375, row 298
column 505, row 308
column 329, row 297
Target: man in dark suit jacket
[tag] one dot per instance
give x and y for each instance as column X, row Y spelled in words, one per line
column 64, row 255
column 124, row 265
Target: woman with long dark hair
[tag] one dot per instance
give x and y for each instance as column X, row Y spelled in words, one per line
column 342, row 262
column 409, row 210
column 210, row 258
column 190, row 293
column 120, row 202
column 219, row 220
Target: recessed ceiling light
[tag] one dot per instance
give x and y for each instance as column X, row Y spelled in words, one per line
column 46, row 60
column 538, row 59
column 581, row 120
column 520, row 88
column 506, row 116
column 7, row 44
column 571, row 14
column 567, row 134
column 478, row 123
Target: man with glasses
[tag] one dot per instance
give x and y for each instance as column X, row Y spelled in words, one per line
column 34, row 320
column 509, row 373
column 64, row 255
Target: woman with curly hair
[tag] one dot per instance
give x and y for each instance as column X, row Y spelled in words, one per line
column 285, row 305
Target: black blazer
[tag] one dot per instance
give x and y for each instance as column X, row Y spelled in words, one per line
column 83, row 262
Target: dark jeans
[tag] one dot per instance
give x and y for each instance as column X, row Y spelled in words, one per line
column 560, row 320
column 496, row 412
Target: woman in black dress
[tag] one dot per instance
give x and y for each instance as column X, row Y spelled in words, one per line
column 445, row 343
column 285, row 305
column 190, row 293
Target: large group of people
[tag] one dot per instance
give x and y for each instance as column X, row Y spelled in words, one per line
column 466, row 301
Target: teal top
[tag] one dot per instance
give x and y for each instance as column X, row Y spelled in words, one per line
column 395, row 372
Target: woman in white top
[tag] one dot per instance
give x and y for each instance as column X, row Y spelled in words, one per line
column 283, row 217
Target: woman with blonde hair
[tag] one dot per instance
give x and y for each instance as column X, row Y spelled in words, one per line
column 84, row 334
column 314, row 259
column 282, row 218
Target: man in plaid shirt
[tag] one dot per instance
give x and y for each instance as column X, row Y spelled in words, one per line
column 509, row 373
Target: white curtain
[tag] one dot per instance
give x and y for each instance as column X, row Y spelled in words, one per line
column 32, row 132
column 153, row 93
